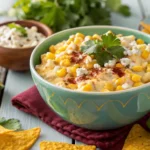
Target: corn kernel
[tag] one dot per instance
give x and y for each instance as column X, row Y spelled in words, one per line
column 78, row 41
column 148, row 68
column 52, row 49
column 119, row 87
column 80, row 35
column 87, row 87
column 137, row 84
column 104, row 90
column 50, row 56
column 61, row 72
column 73, row 71
column 69, row 40
column 142, row 47
column 119, row 65
column 77, row 65
column 65, row 62
column 120, row 81
column 109, row 86
column 137, row 68
column 61, row 49
column 90, row 65
column 136, row 78
column 96, row 37
column 139, row 41
column 72, row 86
column 145, row 54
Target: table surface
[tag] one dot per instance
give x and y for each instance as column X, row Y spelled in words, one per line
column 16, row 82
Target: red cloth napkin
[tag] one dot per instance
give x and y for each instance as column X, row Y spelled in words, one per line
column 31, row 102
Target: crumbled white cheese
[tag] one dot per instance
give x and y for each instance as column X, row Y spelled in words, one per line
column 50, row 63
column 97, row 66
column 125, row 61
column 148, row 48
column 69, row 51
column 80, row 56
column 110, row 63
column 87, row 38
column 131, row 65
column 56, row 68
column 72, row 46
column 135, row 51
column 133, row 43
column 81, row 71
column 106, row 65
column 126, row 86
column 109, row 71
column 60, row 54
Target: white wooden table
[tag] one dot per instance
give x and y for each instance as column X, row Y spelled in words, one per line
column 16, row 82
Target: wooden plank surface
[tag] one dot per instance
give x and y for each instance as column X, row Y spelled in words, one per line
column 3, row 73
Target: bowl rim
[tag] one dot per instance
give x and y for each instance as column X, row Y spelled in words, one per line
column 48, row 30
column 32, row 68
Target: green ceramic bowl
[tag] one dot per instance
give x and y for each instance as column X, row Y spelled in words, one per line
column 97, row 111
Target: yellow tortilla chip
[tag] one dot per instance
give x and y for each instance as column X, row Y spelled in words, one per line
column 4, row 130
column 137, row 139
column 64, row 146
column 22, row 140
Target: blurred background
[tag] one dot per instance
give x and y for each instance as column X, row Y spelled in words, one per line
column 115, row 12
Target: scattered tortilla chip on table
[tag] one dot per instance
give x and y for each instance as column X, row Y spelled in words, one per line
column 137, row 139
column 44, row 145
column 4, row 130
column 21, row 140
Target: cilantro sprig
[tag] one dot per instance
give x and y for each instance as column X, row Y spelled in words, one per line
column 18, row 27
column 108, row 48
column 12, row 124
column 63, row 14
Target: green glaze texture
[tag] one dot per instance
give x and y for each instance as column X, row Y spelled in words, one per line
column 96, row 111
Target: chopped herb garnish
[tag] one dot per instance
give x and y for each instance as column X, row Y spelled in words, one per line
column 19, row 28
column 108, row 48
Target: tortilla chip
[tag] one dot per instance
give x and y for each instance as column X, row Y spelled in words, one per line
column 4, row 130
column 59, row 145
column 137, row 139
column 21, row 140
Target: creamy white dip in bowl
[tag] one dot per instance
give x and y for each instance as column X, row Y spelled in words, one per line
column 15, row 48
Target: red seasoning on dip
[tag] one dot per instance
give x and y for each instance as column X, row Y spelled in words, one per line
column 97, row 63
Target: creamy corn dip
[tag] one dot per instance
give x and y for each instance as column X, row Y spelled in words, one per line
column 16, row 36
column 97, row 63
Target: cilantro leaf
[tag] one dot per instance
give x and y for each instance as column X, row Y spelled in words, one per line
column 57, row 13
column 19, row 28
column 87, row 45
column 116, row 51
column 107, row 49
column 109, row 40
column 124, row 10
column 102, row 57
column 13, row 124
